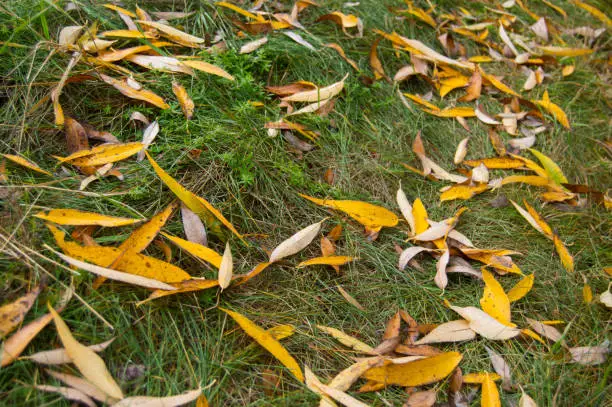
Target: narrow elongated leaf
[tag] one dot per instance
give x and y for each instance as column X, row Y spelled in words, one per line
column 26, row 163
column 16, row 343
column 104, row 154
column 419, row 213
column 371, row 216
column 348, row 340
column 595, row 12
column 341, row 397
column 441, row 279
column 296, row 243
column 140, row 94
column 566, row 258
column 195, row 231
column 170, row 401
column 554, row 110
column 552, row 169
column 69, row 393
column 485, row 325
column 267, row 342
column 195, row 249
column 187, row 105
column 207, row 68
column 537, row 221
column 253, row 45
column 453, row 331
column 521, row 288
column 408, row 254
column 417, row 373
column 75, row 217
column 81, row 385
column 186, row 286
column 13, row 313
column 316, row 95
column 490, row 394
column 327, row 260
column 59, row 356
column 494, row 300
column 90, row 365
column 501, row 368
column 226, row 267
column 198, row 205
column 406, row 209
column 172, row 33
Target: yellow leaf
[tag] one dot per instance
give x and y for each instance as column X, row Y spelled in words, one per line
column 208, row 68
column 117, row 55
column 496, row 163
column 279, row 332
column 462, row 192
column 557, row 9
column 534, row 180
column 327, row 260
column 140, row 94
column 26, row 163
column 348, row 340
column 452, row 331
column 13, row 313
column 90, row 365
column 534, row 219
column 226, row 267
column 600, row 15
column 521, row 288
column 564, row 52
column 490, row 394
column 16, row 343
column 195, row 249
column 481, row 59
column 127, row 34
column 267, row 341
column 375, row 64
column 485, row 325
column 136, row 263
column 104, row 154
column 566, row 258
column 316, row 95
column 186, row 286
column 480, row 377
column 419, row 213
column 80, row 218
column 343, row 20
column 144, row 401
column 417, row 373
column 454, row 82
column 340, row 51
column 187, row 105
column 199, row 206
column 371, row 216
column 422, row 15
column 494, row 300
column 421, row 101
column 239, row 10
column 553, row 109
column 119, row 10
column 587, row 294
column 462, row 111
column 173, row 34
column 552, row 169
column 498, row 84
column 531, row 334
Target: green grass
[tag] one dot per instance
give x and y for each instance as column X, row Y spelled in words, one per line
column 183, row 341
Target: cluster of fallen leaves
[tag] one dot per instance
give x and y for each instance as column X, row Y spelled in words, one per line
column 405, row 355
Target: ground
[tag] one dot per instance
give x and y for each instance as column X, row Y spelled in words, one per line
column 185, row 341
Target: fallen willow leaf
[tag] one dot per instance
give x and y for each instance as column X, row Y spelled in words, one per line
column 435, row 232
column 484, row 117
column 90, row 365
column 462, row 111
column 160, row 63
column 118, row 55
column 340, row 51
column 59, row 356
column 375, row 64
column 417, row 373
column 148, row 135
column 568, row 70
column 521, row 288
column 170, row 401
column 479, row 378
column 371, row 216
column 501, row 368
column 526, row 400
column 350, row 299
column 81, row 385
column 119, row 10
column 453, row 331
column 326, row 260
column 266, row 340
column 419, row 100
column 490, row 394
column 552, row 169
column 208, row 68
column 496, row 163
column 16, row 343
column 553, row 109
column 496, row 83
column 589, row 355
column 128, row 34
column 345, row 379
column 292, row 88
column 408, row 254
column 316, row 95
column 252, row 45
column 187, row 105
column 198, row 205
column 485, row 325
column 226, row 268
column 69, row 393
column 142, row 94
column 421, row 399
column 522, row 143
column 606, row 297
column 535, row 180
column 173, row 34
column 441, row 279
column 343, row 20
column 340, row 396
column 564, row 52
column 299, row 39
column 13, row 313
column 96, row 45
column 474, row 87
column 404, row 73
column 195, row 231
column 185, row 286
column 547, row 331
column 461, row 151
column 462, row 192
column 506, row 39
column 68, row 35
column 198, row 250
column 104, row 154
column 296, row 243
column 26, row 163
column 534, row 219
column 75, row 217
column 566, row 258
column 348, row 340
column 405, row 208
column 494, row 300
column 595, row 12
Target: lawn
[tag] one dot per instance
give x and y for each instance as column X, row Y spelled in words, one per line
column 225, row 154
